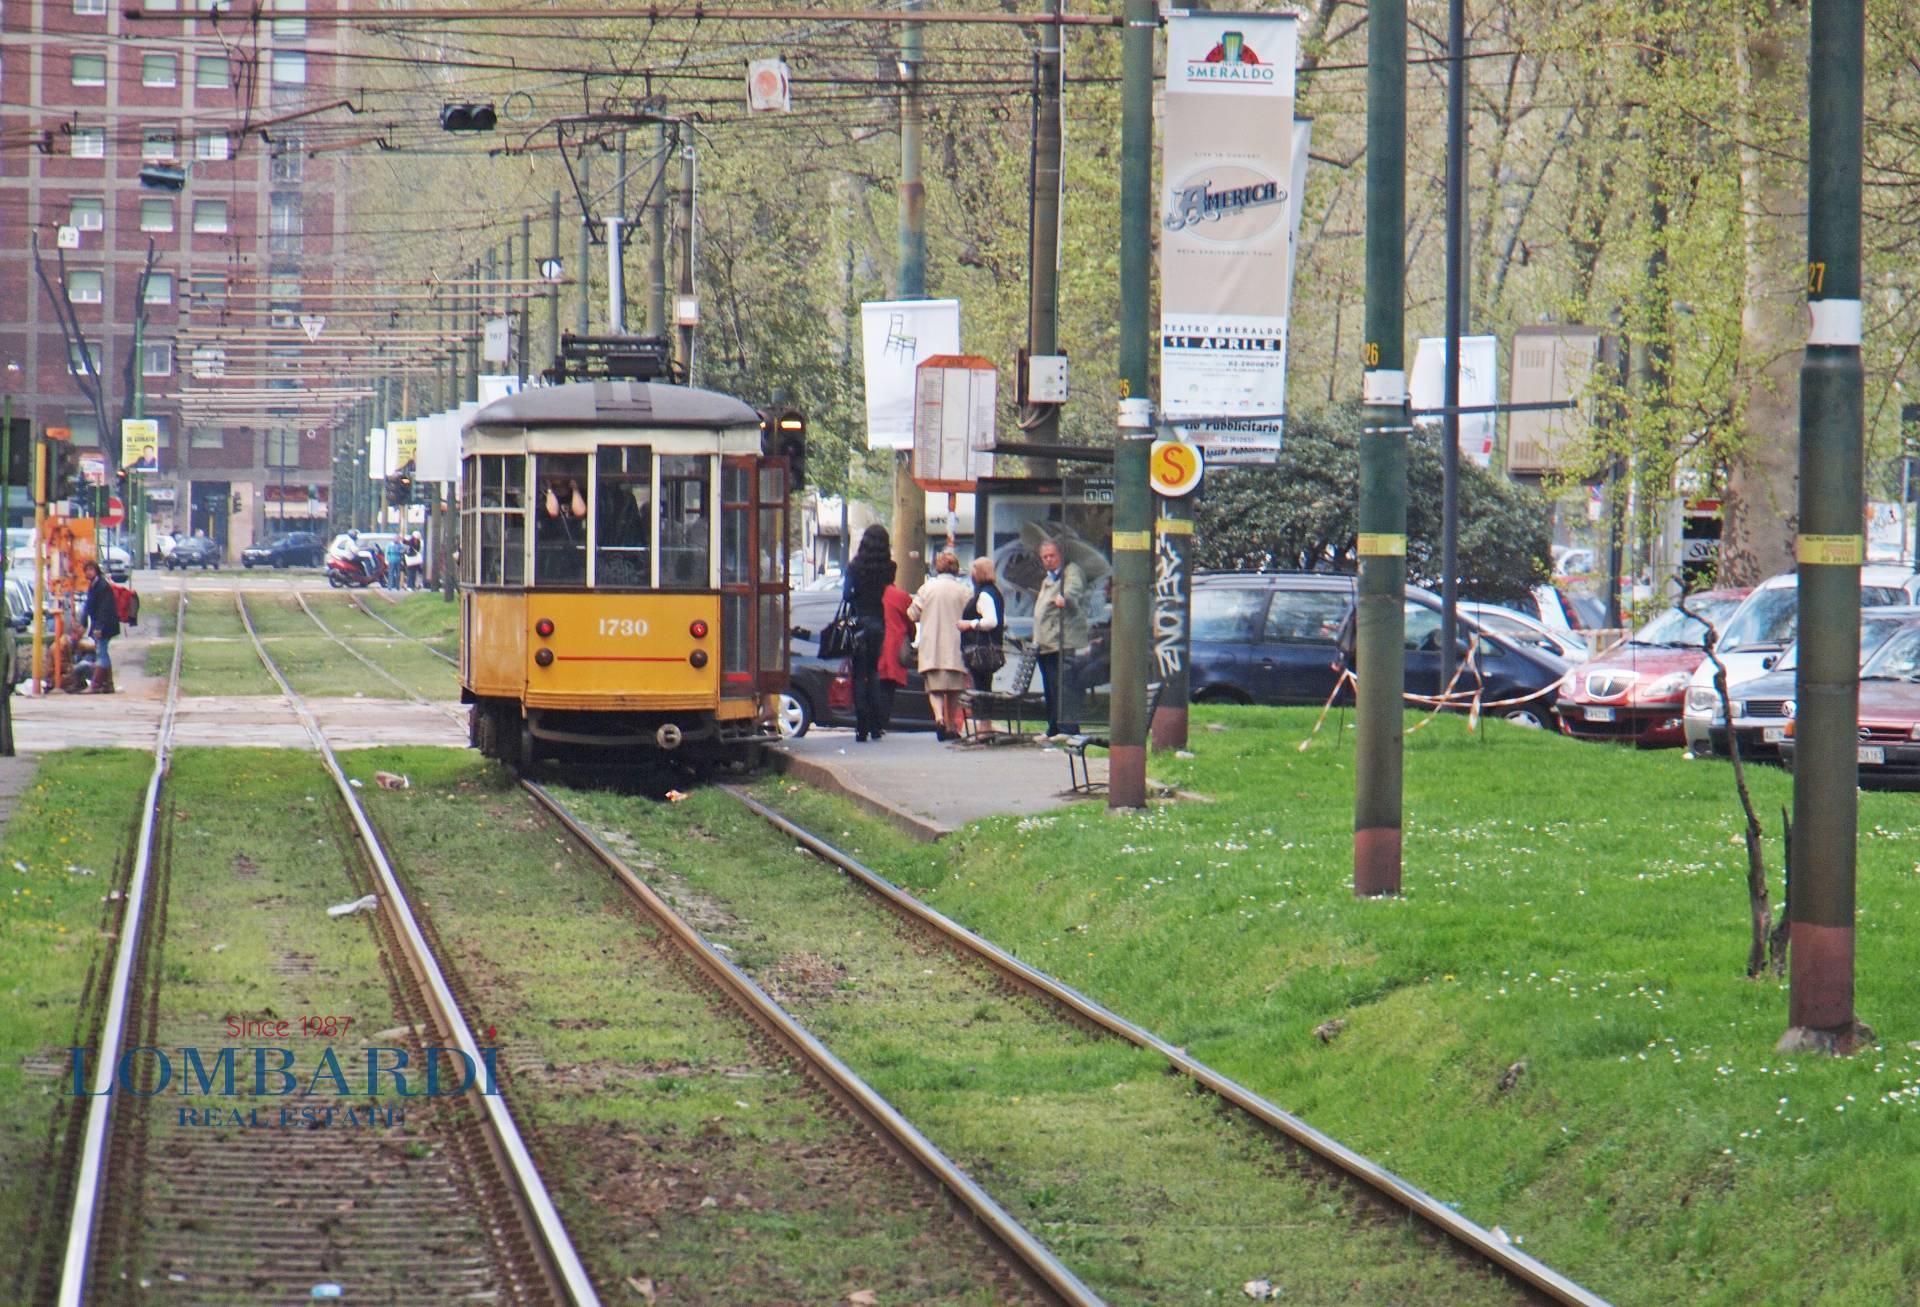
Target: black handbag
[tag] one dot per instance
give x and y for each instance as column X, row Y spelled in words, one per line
column 986, row 659
column 845, row 636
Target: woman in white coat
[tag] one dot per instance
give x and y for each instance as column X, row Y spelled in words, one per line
column 943, row 671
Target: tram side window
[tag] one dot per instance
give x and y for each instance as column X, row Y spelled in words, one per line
column 560, row 519
column 498, row 535
column 686, row 527
column 623, row 517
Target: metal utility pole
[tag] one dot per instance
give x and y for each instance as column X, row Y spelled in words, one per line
column 616, row 250
column 1132, row 506
column 687, row 239
column 1043, row 242
column 525, row 291
column 586, row 239
column 553, row 287
column 1456, row 327
column 1380, row 613
column 473, row 331
column 657, row 237
column 1820, row 904
column 909, row 501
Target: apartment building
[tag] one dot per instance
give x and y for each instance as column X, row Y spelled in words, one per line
column 89, row 96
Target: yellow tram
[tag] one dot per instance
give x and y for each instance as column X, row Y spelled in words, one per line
column 623, row 574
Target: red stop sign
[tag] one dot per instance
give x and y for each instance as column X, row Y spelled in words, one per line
column 116, row 511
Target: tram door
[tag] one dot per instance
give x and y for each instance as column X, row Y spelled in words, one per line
column 753, row 576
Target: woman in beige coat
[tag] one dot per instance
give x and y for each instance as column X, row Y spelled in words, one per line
column 937, row 609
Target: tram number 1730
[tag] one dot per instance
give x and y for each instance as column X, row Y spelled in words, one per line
column 630, row 626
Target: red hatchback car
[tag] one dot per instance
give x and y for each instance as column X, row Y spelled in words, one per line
column 1634, row 693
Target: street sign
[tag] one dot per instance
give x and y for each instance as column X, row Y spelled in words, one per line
column 93, row 469
column 769, row 88
column 68, row 238
column 313, row 324
column 1174, row 468
column 553, row 269
column 497, row 346
column 116, row 512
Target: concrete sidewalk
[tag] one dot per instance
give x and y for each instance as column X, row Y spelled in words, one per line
column 927, row 788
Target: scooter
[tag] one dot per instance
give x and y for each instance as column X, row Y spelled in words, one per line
column 355, row 571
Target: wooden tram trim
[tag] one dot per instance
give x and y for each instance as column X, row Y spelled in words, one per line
column 1477, row 1240
column 93, row 1155
column 1031, row 1257
column 553, row 1245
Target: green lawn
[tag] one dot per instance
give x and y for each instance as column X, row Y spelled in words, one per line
column 1577, row 908
column 423, row 614
column 64, row 850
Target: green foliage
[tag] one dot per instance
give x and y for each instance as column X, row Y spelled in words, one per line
column 1299, row 515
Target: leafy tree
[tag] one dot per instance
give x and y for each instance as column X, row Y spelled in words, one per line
column 1299, row 514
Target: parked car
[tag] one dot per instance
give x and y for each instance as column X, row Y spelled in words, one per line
column 1889, row 748
column 294, row 549
column 821, row 689
column 1759, row 632
column 1635, row 692
column 194, row 551
column 1274, row 638
column 1570, row 645
column 117, row 562
column 1763, row 706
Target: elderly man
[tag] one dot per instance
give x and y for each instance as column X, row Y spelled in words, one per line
column 1060, row 637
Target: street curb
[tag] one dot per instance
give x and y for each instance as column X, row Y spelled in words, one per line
column 823, row 777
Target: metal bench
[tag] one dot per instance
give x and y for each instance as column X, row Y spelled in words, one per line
column 1079, row 779
column 1016, row 707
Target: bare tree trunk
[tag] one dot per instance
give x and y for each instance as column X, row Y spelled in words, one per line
column 1763, row 479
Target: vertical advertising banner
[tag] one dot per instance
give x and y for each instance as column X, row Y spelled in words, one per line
column 1226, row 226
column 897, row 336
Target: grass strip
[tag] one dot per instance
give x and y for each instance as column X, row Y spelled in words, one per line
column 218, row 657
column 652, row 1103
column 66, row 848
column 1144, row 1186
column 1551, row 1027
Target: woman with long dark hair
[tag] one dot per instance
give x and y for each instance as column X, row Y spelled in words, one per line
column 864, row 591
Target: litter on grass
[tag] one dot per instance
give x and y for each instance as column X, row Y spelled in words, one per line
column 367, row 904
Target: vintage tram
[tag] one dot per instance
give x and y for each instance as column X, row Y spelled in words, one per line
column 623, row 574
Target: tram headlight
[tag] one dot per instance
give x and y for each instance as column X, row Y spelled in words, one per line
column 544, row 657
column 698, row 658
column 698, row 629
column 543, row 628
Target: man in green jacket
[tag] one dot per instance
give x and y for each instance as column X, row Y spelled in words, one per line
column 1060, row 637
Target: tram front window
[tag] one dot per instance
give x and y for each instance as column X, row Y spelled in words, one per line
column 560, row 519
column 623, row 518
column 686, row 527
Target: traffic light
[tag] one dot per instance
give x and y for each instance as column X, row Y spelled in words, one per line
column 63, row 472
column 467, row 118
column 783, row 434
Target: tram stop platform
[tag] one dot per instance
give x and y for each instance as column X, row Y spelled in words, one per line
column 927, row 788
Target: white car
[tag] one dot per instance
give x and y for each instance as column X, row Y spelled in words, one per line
column 1759, row 633
column 1570, row 645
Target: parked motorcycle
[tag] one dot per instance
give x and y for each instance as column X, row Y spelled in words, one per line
column 355, row 571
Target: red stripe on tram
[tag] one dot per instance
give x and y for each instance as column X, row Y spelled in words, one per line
column 612, row 658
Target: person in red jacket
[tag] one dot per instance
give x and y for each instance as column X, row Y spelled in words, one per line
column 894, row 601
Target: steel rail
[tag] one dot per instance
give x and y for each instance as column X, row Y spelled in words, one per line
column 1028, row 1253
column 451, row 713
column 361, row 604
column 553, row 1242
column 1474, row 1237
column 93, row 1154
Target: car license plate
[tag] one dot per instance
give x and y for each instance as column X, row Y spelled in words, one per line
column 1772, row 734
column 1873, row 755
column 1599, row 714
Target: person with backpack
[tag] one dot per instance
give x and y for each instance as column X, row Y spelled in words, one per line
column 100, row 617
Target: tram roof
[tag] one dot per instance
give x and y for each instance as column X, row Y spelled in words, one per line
column 614, row 404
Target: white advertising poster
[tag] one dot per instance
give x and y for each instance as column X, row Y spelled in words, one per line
column 438, row 458
column 497, row 386
column 1226, row 221
column 379, row 468
column 1479, row 382
column 896, row 337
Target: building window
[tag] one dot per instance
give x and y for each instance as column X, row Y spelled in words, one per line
column 159, row 288
column 206, row 438
column 83, row 285
column 158, row 143
column 90, row 7
column 210, row 72
column 210, row 216
column 87, row 213
column 89, row 70
column 89, row 142
column 283, row 448
column 212, row 147
column 289, row 28
column 159, row 70
column 288, row 163
column 85, row 429
column 287, row 225
column 79, row 352
column 156, row 215
column 211, row 292
column 285, row 301
column 209, row 362
column 156, row 358
column 289, row 68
